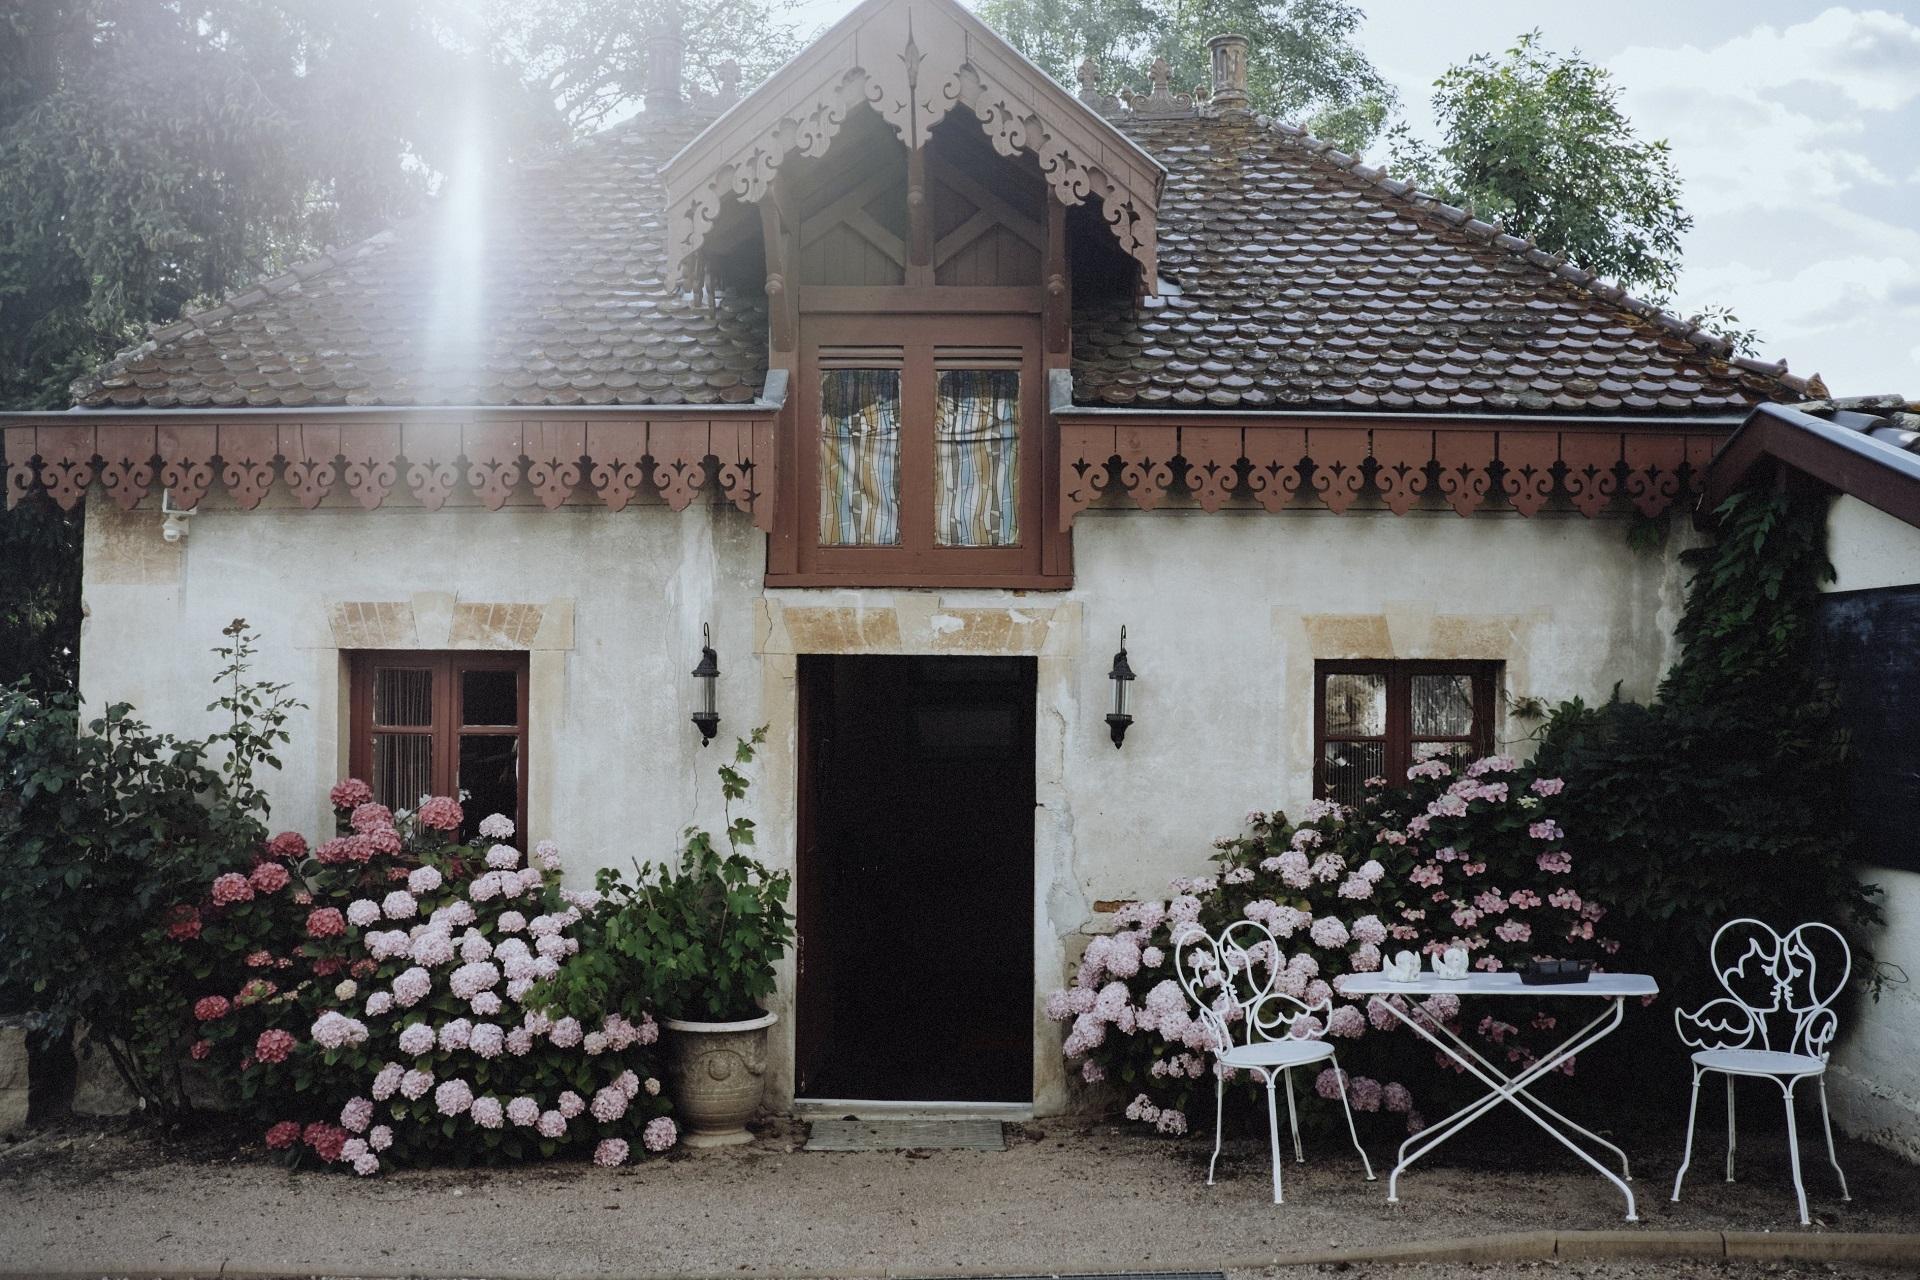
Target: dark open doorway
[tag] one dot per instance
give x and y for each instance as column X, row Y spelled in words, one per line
column 916, row 878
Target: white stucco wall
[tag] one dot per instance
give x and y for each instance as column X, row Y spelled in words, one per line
column 1226, row 614
column 1876, row 1074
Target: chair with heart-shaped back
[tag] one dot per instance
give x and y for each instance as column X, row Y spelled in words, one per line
column 1776, row 1023
column 1278, row 1031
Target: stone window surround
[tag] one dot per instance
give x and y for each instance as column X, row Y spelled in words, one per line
column 439, row 620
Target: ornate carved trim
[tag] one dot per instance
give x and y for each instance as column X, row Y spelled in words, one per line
column 912, row 61
column 310, row 458
column 1467, row 465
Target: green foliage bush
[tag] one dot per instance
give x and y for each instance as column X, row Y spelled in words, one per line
column 105, row 825
column 698, row 941
column 1720, row 798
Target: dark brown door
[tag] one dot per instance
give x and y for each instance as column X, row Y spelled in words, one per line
column 916, row 878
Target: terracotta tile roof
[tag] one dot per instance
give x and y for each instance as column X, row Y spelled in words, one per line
column 1293, row 277
column 565, row 299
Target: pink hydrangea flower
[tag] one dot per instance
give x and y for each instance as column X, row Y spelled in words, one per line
column 414, row 1084
column 549, row 855
column 211, row 1008
column 1346, row 1022
column 366, row 1165
column 519, row 1042
column 379, row 1004
column 487, row 1040
column 417, row 1038
column 357, row 1115
column 411, row 987
column 456, row 1034
column 274, row 1045
column 424, row 880
column 566, row 1033
column 551, row 1125
column 1396, row 1098
column 333, row 1029
column 387, row 1082
column 1328, row 932
column 350, row 794
column 1364, row 1093
column 1512, row 931
column 380, row 1137
column 433, row 948
column 488, row 1113
column 571, row 1104
column 399, row 905
column 384, row 841
column 441, row 813
column 610, row 1152
column 326, row 922
column 609, row 1104
column 523, row 1111
column 503, row 857
column 269, row 877
column 1547, row 786
column 453, row 1098
column 496, row 826
column 362, row 912
column 486, row 1004
column 660, row 1134
column 1555, row 863
column 1546, row 829
column 231, row 888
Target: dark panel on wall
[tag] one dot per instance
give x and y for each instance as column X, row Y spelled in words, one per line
column 1869, row 645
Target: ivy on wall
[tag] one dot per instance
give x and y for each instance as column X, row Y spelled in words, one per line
column 1721, row 797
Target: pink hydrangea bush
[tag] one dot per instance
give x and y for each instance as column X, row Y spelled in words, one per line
column 1473, row 857
column 385, row 998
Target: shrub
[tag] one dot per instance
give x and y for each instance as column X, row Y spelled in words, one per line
column 382, row 997
column 1478, row 860
column 104, row 826
column 1722, row 797
column 698, row 941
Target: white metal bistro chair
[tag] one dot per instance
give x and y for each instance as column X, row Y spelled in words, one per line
column 1769, row 978
column 1219, row 977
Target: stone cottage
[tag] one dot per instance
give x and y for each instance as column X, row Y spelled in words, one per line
column 917, row 389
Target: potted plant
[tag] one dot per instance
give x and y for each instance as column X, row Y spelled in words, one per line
column 698, row 943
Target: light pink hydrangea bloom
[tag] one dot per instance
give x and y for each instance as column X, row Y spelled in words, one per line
column 366, row 1165
column 356, row 1115
column 453, row 1098
column 488, row 1112
column 416, row 1038
column 399, row 905
column 551, row 1125
column 387, row 1081
column 380, row 1137
column 497, row 826
column 566, row 1033
column 609, row 1104
column 523, row 1111
column 414, row 1084
column 333, row 1029
column 503, row 857
column 660, row 1134
column 456, row 1034
column 424, row 880
column 571, row 1104
column 511, row 922
column 362, row 912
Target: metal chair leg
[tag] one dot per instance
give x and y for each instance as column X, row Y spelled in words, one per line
column 1219, row 1112
column 1730, row 1138
column 1686, row 1156
column 1273, row 1139
column 1826, row 1119
column 1793, row 1150
column 1351, row 1131
column 1293, row 1118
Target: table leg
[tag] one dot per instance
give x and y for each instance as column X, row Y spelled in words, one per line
column 1511, row 1089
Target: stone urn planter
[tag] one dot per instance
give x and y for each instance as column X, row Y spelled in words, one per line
column 716, row 1072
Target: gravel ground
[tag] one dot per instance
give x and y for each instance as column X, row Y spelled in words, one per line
column 1064, row 1196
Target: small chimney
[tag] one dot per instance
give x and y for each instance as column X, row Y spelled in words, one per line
column 666, row 50
column 1229, row 73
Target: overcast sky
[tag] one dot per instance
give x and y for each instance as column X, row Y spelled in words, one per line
column 1795, row 126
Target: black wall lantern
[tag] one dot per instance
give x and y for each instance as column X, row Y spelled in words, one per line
column 1122, row 675
column 706, row 678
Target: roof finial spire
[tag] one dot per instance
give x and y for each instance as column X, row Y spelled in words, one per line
column 666, row 49
column 1229, row 73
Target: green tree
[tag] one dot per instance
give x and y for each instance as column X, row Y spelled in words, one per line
column 157, row 153
column 1537, row 141
column 591, row 56
column 1303, row 64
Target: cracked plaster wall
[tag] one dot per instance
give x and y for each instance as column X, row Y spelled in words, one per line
column 1226, row 614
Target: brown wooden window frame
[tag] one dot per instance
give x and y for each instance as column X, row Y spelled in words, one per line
column 448, row 719
column 1399, row 738
column 927, row 344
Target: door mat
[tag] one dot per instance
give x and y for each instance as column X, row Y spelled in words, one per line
column 905, row 1135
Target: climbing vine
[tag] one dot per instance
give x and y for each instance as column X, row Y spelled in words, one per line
column 1721, row 797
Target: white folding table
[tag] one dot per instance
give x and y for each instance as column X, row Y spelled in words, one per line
column 1614, row 988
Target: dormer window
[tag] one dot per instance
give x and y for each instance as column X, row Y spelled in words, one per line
column 921, row 462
